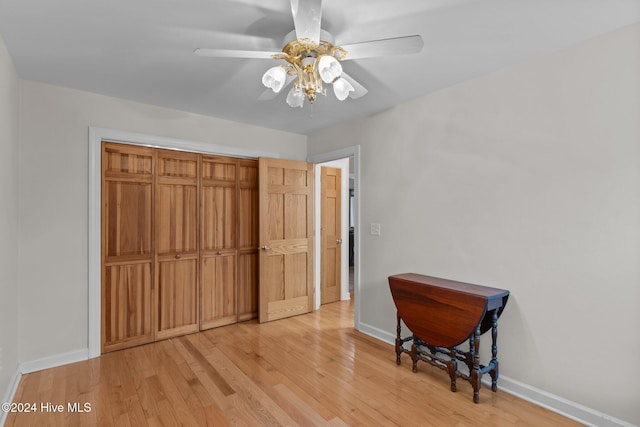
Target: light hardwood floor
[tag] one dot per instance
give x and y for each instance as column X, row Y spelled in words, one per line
column 308, row 370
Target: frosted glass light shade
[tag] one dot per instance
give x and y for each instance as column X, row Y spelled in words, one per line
column 329, row 68
column 274, row 78
column 341, row 88
column 295, row 97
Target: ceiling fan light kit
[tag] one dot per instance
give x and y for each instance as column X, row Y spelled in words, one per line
column 341, row 88
column 329, row 68
column 295, row 97
column 275, row 78
column 312, row 61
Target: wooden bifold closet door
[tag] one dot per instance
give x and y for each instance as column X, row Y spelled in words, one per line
column 248, row 242
column 229, row 275
column 127, row 246
column 179, row 243
column 176, row 208
column 219, row 241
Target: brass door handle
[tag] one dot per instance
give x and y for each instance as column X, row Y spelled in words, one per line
column 339, row 241
column 177, row 256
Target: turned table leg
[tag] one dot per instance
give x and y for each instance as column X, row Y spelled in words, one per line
column 453, row 368
column 414, row 356
column 398, row 340
column 475, row 372
column 494, row 351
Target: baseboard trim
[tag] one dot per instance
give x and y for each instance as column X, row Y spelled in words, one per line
column 10, row 394
column 39, row 365
column 560, row 405
column 54, row 361
column 377, row 333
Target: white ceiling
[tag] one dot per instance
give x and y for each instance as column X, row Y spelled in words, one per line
column 142, row 50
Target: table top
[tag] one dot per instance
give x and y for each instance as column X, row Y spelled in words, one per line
column 444, row 312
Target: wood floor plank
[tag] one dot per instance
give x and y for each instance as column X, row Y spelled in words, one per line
column 300, row 411
column 208, row 368
column 272, row 382
column 211, row 415
column 252, row 396
column 195, row 385
column 309, row 370
column 190, row 390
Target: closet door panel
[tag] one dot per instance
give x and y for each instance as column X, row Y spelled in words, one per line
column 127, row 311
column 127, row 161
column 219, row 202
column 177, row 298
column 218, row 291
column 248, row 239
column 218, row 217
column 127, row 246
column 247, row 286
column 176, row 207
column 219, row 241
column 127, row 220
column 248, row 205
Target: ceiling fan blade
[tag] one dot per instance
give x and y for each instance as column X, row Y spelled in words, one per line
column 234, row 53
column 384, row 47
column 269, row 94
column 359, row 90
column 307, row 15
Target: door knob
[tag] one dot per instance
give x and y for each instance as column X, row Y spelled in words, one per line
column 177, row 256
column 265, row 248
column 339, row 241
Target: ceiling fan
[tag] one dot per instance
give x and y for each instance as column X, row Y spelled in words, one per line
column 311, row 58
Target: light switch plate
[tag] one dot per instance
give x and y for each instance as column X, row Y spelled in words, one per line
column 375, row 229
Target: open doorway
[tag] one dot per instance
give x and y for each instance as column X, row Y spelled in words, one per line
column 333, row 222
column 348, row 160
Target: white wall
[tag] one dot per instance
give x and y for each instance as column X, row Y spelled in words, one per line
column 9, row 125
column 54, row 197
column 527, row 179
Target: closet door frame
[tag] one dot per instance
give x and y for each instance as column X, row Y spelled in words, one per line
column 96, row 136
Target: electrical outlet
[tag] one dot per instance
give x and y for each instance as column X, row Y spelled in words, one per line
column 375, row 229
